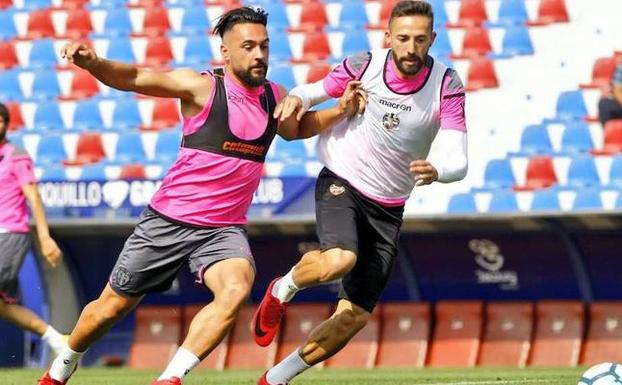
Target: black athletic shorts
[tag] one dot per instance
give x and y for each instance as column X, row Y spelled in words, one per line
column 348, row 220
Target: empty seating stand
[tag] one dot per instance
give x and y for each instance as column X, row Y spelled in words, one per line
column 362, row 350
column 603, row 342
column 244, row 353
column 156, row 338
column 404, row 335
column 300, row 320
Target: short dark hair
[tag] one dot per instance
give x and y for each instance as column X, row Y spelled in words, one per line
column 412, row 8
column 4, row 113
column 239, row 16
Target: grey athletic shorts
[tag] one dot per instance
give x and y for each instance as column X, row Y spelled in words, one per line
column 158, row 248
column 13, row 249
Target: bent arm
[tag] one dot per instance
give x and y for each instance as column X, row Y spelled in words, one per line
column 451, row 160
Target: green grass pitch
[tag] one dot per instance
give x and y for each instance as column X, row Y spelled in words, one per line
column 479, row 376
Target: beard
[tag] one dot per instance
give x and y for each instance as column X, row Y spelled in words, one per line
column 247, row 77
column 407, row 69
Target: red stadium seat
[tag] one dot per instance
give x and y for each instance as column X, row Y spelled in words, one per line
column 159, row 52
column 216, row 359
column 540, row 174
column 78, row 24
column 8, row 56
column 145, row 3
column 156, row 338
column 481, row 74
column 244, row 353
column 15, row 112
column 476, row 43
column 165, row 115
column 73, row 4
column 385, row 13
column 471, row 13
column 551, row 11
column 300, row 320
column 613, row 138
column 558, row 335
column 133, row 172
column 6, row 4
column 404, row 335
column 89, row 149
column 602, row 72
column 604, row 337
column 156, row 22
column 315, row 47
column 83, row 85
column 362, row 350
column 313, row 16
column 318, row 71
column 507, row 337
column 457, row 334
column 40, row 25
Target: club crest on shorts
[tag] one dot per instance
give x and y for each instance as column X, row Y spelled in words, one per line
column 122, row 276
column 391, row 122
column 336, row 190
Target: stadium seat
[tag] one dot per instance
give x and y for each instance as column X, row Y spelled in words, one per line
column 83, row 85
column 457, row 334
column 507, row 336
column 73, row 4
column 516, row 41
column 244, row 353
column 280, row 49
column 511, row 12
column 109, row 4
column 117, row 22
column 315, row 47
column 441, row 48
column 355, row 41
column 78, row 24
column 404, row 335
column 463, row 203
column 34, row 5
column 503, row 201
column 216, row 359
column 476, row 43
column 385, row 13
column 50, row 150
column 571, row 106
column 126, row 115
column 545, row 200
column 440, row 14
column 558, row 333
column 602, row 72
column 159, row 52
column 283, row 75
column 133, row 172
column 535, row 140
column 361, row 351
column 53, row 173
column 156, row 22
column 120, row 49
column 165, row 115
column 278, row 19
column 588, row 199
column 615, row 172
column 4, row 4
column 93, row 172
column 9, row 86
column 353, row 15
column 15, row 112
column 45, row 85
column 481, row 74
column 551, row 11
column 498, row 174
column 540, row 174
column 471, row 13
column 198, row 52
column 156, row 337
column 87, row 116
column 40, row 25
column 318, row 71
column 130, row 148
column 313, row 16
column 47, row 117
column 167, row 146
column 42, row 54
column 300, row 320
column 582, row 173
column 145, row 3
column 194, row 21
column 7, row 25
column 576, row 138
column 89, row 148
column 8, row 57
column 603, row 342
column 613, row 138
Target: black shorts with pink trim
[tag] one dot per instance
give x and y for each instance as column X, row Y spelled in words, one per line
column 13, row 249
column 159, row 247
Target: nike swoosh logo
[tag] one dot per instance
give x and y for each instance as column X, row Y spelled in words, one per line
column 258, row 331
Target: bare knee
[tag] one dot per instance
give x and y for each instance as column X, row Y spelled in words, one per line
column 111, row 306
column 336, row 264
column 231, row 297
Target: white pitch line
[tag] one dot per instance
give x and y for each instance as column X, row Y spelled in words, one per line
column 499, row 382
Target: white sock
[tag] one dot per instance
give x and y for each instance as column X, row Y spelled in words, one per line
column 285, row 288
column 181, row 364
column 64, row 364
column 54, row 339
column 287, row 369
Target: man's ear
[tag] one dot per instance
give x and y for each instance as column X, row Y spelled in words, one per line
column 224, row 52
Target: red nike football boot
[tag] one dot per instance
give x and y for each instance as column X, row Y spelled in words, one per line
column 268, row 316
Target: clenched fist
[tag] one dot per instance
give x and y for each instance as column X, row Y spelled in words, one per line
column 79, row 54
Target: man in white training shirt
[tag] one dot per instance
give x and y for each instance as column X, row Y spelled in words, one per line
column 372, row 163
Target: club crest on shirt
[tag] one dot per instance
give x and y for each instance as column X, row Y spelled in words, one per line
column 336, row 190
column 391, row 122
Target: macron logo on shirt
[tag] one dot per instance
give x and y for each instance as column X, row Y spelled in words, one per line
column 397, row 106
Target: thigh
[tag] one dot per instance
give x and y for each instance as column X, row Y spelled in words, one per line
column 232, row 272
column 13, row 250
column 336, row 213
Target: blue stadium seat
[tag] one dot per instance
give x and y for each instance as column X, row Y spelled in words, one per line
column 198, row 51
column 108, row 4
column 545, row 200
column 285, row 150
column 278, row 14
column 45, row 86
column 53, row 173
column 120, row 49
column 167, row 146
column 42, row 54
column 355, row 41
column 440, row 13
column 588, row 199
column 283, row 75
column 511, row 12
column 194, row 21
column 503, row 201
column 47, row 117
column 615, row 173
column 280, row 49
column 130, row 149
column 50, row 150
column 9, row 86
column 441, row 48
column 498, row 174
column 576, row 138
column 582, row 173
column 517, row 41
column 95, row 171
column 126, row 115
column 353, row 15
column 32, row 5
column 87, row 116
column 184, row 3
column 117, row 22
column 571, row 106
column 535, row 140
column 7, row 25
column 16, row 138
column 463, row 203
